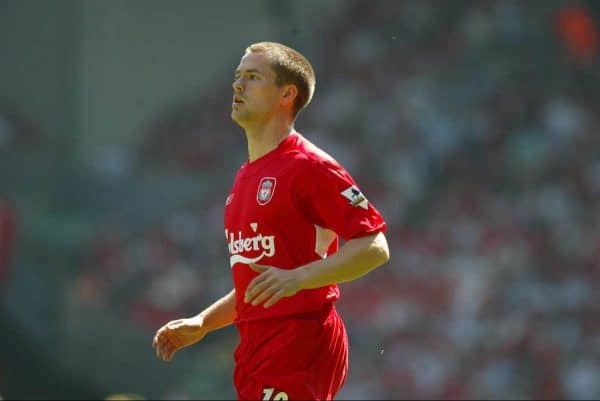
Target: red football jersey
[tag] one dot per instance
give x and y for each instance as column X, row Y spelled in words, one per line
column 287, row 209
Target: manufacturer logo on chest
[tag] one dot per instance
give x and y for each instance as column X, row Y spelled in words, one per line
column 266, row 188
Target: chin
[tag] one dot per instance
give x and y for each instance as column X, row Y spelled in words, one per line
column 236, row 118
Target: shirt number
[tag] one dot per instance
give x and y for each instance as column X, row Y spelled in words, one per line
column 268, row 393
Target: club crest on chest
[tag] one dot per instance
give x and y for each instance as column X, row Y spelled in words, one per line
column 266, row 188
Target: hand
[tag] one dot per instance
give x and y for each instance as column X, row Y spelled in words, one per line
column 177, row 334
column 271, row 285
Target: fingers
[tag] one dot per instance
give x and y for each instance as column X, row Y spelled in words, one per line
column 168, row 352
column 163, row 344
column 257, row 268
column 173, row 324
column 275, row 298
column 268, row 286
column 165, row 349
column 256, row 286
column 157, row 336
column 262, row 296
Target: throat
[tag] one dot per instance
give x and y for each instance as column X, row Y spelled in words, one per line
column 264, row 143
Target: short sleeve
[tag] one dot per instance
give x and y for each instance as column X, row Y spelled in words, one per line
column 330, row 198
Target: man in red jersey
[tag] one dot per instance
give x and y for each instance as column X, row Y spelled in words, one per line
column 289, row 204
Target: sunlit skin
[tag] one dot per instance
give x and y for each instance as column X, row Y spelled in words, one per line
column 255, row 93
column 180, row 333
column 263, row 109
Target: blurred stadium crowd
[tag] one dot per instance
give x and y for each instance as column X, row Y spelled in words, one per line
column 473, row 127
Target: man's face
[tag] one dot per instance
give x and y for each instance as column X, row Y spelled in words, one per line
column 255, row 94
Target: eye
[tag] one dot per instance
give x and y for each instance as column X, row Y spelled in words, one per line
column 254, row 77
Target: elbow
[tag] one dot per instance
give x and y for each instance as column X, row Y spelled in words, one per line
column 381, row 251
column 385, row 255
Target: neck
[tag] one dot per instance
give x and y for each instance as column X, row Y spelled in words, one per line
column 264, row 138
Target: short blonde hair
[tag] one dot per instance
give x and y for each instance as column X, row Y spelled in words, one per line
column 290, row 67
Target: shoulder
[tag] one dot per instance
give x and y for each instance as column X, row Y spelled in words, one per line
column 316, row 167
column 311, row 156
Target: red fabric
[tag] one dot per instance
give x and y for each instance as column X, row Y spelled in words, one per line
column 7, row 239
column 272, row 212
column 305, row 357
column 578, row 31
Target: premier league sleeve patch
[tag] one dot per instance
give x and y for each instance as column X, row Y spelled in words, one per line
column 355, row 197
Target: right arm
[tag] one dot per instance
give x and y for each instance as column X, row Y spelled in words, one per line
column 219, row 314
column 180, row 333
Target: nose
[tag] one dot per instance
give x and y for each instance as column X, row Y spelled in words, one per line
column 237, row 86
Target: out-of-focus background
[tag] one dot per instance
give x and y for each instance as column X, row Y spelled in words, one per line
column 472, row 125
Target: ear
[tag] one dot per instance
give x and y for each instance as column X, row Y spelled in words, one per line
column 289, row 94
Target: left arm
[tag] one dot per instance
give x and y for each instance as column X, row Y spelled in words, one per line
column 354, row 259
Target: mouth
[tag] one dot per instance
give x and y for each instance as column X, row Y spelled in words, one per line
column 238, row 100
